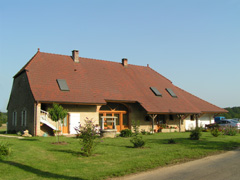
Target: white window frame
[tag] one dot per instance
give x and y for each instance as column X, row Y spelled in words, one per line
column 24, row 118
column 14, row 118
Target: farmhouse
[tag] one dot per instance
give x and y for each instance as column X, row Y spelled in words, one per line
column 96, row 88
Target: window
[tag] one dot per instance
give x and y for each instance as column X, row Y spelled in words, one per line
column 24, row 118
column 192, row 117
column 62, row 85
column 170, row 91
column 65, row 122
column 155, row 91
column 14, row 118
column 161, row 119
column 171, row 117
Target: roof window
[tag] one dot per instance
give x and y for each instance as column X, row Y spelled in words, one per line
column 62, row 85
column 155, row 91
column 170, row 91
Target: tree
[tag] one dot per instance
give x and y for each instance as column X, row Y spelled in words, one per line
column 0, row 118
column 233, row 112
column 57, row 113
column 3, row 118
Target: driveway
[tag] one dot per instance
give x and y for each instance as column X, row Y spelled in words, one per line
column 218, row 167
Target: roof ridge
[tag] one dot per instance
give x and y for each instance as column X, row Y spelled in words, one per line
column 112, row 61
column 55, row 54
column 95, row 59
column 25, row 66
column 160, row 74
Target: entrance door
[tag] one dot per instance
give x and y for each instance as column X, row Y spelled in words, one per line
column 65, row 125
column 74, row 122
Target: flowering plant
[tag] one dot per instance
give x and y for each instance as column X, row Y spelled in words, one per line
column 88, row 133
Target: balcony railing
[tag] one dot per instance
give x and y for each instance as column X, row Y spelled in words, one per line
column 44, row 118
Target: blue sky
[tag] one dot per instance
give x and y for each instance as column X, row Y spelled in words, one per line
column 195, row 44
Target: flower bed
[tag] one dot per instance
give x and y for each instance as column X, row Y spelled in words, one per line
column 165, row 128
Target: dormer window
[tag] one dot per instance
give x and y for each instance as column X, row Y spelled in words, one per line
column 62, row 85
column 170, row 91
column 155, row 91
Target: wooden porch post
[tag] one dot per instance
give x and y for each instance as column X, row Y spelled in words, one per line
column 196, row 120
column 181, row 117
column 102, row 123
column 180, row 124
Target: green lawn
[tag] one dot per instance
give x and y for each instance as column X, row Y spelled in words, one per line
column 37, row 158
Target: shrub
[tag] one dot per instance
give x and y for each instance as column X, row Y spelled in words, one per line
column 137, row 141
column 88, row 134
column 215, row 132
column 229, row 130
column 205, row 130
column 196, row 134
column 135, row 126
column 171, row 141
column 126, row 133
column 5, row 150
column 144, row 132
column 19, row 133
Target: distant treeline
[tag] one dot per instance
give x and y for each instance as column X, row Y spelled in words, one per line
column 233, row 112
column 3, row 118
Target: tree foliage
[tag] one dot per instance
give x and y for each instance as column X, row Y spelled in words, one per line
column 233, row 112
column 3, row 118
column 57, row 113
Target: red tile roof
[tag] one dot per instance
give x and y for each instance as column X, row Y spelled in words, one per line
column 94, row 81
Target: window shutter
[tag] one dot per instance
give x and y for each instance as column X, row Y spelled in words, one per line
column 13, row 119
column 25, row 122
column 22, row 118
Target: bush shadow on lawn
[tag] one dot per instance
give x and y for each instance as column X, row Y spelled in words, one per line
column 199, row 144
column 39, row 172
column 74, row 153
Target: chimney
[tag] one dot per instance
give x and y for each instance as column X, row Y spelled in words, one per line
column 75, row 56
column 125, row 62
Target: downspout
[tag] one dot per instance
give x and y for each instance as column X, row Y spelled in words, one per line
column 152, row 125
column 35, row 118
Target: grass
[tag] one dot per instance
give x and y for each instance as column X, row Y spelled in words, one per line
column 37, row 158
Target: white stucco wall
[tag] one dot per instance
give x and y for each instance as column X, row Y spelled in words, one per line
column 202, row 121
column 79, row 111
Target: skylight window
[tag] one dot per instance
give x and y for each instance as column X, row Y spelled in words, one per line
column 170, row 91
column 155, row 91
column 62, row 85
